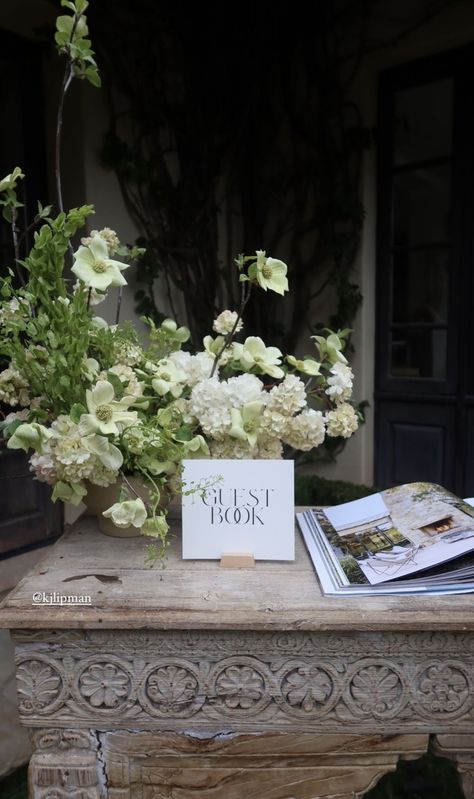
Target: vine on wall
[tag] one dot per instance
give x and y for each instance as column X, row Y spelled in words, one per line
column 231, row 134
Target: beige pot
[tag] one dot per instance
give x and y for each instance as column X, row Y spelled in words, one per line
column 99, row 499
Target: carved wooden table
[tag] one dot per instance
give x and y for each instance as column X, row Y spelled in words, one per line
column 195, row 681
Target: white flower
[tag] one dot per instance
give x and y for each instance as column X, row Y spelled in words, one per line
column 168, row 379
column 270, row 273
column 13, row 387
column 270, row 448
column 230, row 448
column 195, row 367
column 109, row 236
column 105, row 412
column 225, row 322
column 131, row 513
column 340, row 384
column 43, row 468
column 210, row 405
column 213, row 347
column 134, row 388
column 253, row 353
column 246, row 422
column 342, row 421
column 306, row 430
column 289, row 397
column 128, row 353
column 93, row 266
column 90, row 369
column 243, row 389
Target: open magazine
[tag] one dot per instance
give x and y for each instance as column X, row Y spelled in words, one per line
column 416, row 538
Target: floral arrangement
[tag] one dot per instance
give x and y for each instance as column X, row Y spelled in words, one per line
column 93, row 403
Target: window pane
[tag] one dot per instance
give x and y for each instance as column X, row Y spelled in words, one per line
column 421, row 204
column 423, row 122
column 419, row 353
column 420, row 281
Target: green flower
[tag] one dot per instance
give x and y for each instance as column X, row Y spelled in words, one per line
column 29, row 436
column 105, row 412
column 9, row 181
column 331, row 348
column 307, row 365
column 246, row 422
column 180, row 334
column 93, row 266
column 270, row 273
column 168, row 379
column 68, row 492
column 197, row 448
column 254, row 353
column 108, row 454
column 156, row 527
column 131, row 513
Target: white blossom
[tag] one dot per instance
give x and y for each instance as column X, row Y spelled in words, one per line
column 225, row 322
column 340, row 382
column 306, row 430
column 342, row 421
column 289, row 397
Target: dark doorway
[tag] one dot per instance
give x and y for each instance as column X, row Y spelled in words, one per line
column 424, row 400
column 28, row 518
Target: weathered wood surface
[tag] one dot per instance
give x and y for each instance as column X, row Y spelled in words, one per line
column 258, row 766
column 125, row 593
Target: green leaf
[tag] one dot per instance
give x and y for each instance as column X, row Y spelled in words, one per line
column 76, row 412
column 64, row 381
column 117, row 384
column 64, row 24
column 92, row 75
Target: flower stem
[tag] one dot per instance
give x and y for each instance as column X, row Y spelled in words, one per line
column 245, row 296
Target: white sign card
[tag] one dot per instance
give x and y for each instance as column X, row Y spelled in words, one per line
column 248, row 507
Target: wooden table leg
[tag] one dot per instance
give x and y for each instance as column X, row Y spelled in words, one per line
column 460, row 749
column 65, row 765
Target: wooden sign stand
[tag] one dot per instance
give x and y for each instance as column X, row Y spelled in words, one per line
column 237, row 560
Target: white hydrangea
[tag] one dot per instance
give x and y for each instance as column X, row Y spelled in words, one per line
column 243, row 389
column 340, row 382
column 305, row 431
column 73, row 462
column 17, row 416
column 195, row 367
column 270, row 448
column 101, row 475
column 128, row 353
column 109, row 236
column 210, row 404
column 126, row 375
column 289, row 397
column 274, row 423
column 225, row 322
column 231, row 448
column 13, row 387
column 43, row 468
column 342, row 421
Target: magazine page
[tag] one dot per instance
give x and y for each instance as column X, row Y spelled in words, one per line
column 399, row 532
column 334, row 582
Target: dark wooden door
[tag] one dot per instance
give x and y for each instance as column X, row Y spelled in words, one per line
column 424, row 399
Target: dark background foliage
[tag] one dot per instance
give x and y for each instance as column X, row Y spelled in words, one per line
column 231, row 130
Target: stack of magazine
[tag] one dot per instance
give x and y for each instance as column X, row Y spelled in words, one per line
column 416, row 538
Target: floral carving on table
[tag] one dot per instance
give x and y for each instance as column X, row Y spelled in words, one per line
column 307, row 688
column 444, row 688
column 375, row 689
column 171, row 688
column 103, row 685
column 39, row 685
column 240, row 686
